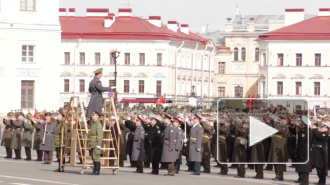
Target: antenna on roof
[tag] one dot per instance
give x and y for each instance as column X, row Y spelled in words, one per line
column 237, row 11
column 127, row 4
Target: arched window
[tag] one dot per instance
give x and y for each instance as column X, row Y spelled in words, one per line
column 256, row 54
column 243, row 54
column 235, row 54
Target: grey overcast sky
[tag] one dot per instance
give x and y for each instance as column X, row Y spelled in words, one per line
column 197, row 13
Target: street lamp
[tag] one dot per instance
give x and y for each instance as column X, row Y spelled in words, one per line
column 193, row 90
column 115, row 54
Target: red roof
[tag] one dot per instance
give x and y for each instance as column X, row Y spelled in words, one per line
column 316, row 28
column 124, row 27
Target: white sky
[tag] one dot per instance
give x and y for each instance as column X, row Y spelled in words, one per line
column 197, row 13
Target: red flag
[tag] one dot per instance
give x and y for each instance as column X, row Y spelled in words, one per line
column 277, row 110
column 160, row 100
column 252, row 101
column 293, row 111
column 304, row 111
column 313, row 111
column 325, row 110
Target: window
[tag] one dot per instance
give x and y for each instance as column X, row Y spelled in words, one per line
column 298, row 88
column 256, row 54
column 141, row 86
column 112, row 60
column 298, row 108
column 82, row 58
column 66, row 85
column 127, row 58
column 81, row 85
column 279, row 88
column 158, row 88
column 67, row 58
column 317, row 59
column 235, row 54
column 159, row 59
column 126, row 86
column 280, row 59
column 97, row 58
column 243, row 57
column 112, row 84
column 27, row 94
column 298, row 59
column 239, row 92
column 28, row 53
column 27, row 5
column 142, row 59
column 222, row 68
column 317, row 88
column 221, row 91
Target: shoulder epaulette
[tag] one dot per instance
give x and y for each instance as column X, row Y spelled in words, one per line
column 200, row 125
column 157, row 127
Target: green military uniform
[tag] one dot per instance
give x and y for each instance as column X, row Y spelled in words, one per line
column 96, row 137
column 27, row 139
column 223, row 134
column 16, row 138
column 59, row 134
column 37, row 139
column 206, row 147
column 7, row 134
column 239, row 154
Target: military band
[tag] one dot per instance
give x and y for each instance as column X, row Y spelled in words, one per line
column 165, row 135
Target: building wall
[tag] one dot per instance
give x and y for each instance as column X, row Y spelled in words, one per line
column 41, row 29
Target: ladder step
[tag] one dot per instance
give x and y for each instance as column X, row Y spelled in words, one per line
column 108, row 158
column 107, row 139
column 108, row 149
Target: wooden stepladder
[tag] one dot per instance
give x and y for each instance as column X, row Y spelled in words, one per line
column 75, row 141
column 111, row 137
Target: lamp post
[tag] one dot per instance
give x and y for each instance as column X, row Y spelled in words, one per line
column 115, row 54
column 193, row 90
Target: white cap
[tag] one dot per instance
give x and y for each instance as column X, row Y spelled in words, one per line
column 113, row 118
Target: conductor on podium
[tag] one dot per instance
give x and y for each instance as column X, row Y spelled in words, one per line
column 96, row 89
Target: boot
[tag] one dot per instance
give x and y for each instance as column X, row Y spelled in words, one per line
column 59, row 167
column 94, row 168
column 9, row 152
column 98, row 166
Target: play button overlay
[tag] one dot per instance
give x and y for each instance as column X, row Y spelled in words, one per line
column 259, row 131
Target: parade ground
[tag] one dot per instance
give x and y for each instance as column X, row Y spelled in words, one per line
column 21, row 172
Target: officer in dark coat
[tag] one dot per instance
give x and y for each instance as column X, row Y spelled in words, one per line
column 155, row 144
column 96, row 89
column 138, row 152
column 130, row 140
column 37, row 137
column 195, row 145
column 206, row 145
column 302, row 152
column 7, row 134
column 239, row 154
column 318, row 159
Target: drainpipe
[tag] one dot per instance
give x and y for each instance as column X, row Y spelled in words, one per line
column 74, row 67
column 176, row 67
column 202, row 82
column 193, row 69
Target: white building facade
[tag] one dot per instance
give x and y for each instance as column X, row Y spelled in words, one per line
column 155, row 59
column 30, row 38
column 295, row 61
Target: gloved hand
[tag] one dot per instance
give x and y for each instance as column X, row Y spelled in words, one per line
column 98, row 147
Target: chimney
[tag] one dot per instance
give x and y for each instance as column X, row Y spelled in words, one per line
column 108, row 21
column 125, row 12
column 72, row 12
column 62, row 11
column 99, row 12
column 324, row 12
column 173, row 25
column 185, row 29
column 293, row 16
column 155, row 20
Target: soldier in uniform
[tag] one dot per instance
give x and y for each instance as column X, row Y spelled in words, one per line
column 7, row 134
column 223, row 134
column 278, row 149
column 155, row 139
column 258, row 156
column 48, row 137
column 37, row 137
column 138, row 152
column 130, row 140
column 96, row 89
column 304, row 148
column 17, row 134
column 195, row 145
column 206, row 145
column 59, row 135
column 96, row 137
column 239, row 154
column 179, row 141
column 318, row 158
column 27, row 137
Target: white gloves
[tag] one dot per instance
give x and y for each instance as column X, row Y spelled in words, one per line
column 98, row 147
